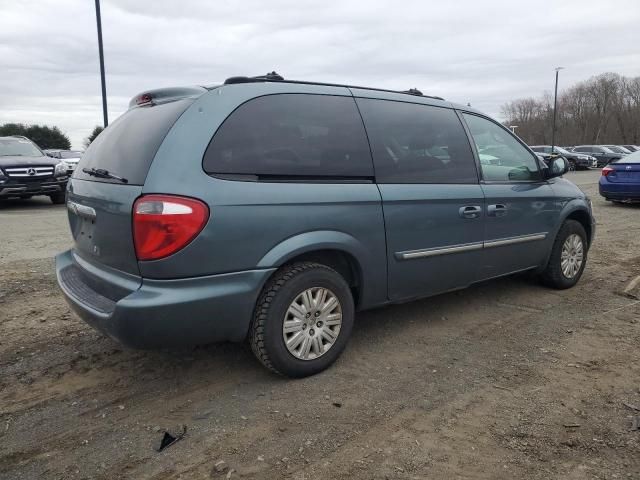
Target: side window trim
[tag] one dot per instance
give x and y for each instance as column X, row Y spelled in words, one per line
column 461, row 114
column 472, row 144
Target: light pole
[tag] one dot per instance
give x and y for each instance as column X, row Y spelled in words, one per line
column 101, row 54
column 555, row 105
column 513, row 128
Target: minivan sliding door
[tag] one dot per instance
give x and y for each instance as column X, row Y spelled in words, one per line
column 432, row 203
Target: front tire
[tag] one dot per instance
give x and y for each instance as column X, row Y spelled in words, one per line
column 303, row 320
column 568, row 256
column 58, row 198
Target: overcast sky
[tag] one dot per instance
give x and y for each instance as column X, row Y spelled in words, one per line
column 485, row 52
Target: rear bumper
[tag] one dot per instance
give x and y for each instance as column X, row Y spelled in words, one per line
column 143, row 313
column 619, row 191
column 45, row 187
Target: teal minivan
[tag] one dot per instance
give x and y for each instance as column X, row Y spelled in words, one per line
column 271, row 211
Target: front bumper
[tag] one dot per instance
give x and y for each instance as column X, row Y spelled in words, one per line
column 143, row 313
column 583, row 162
column 49, row 186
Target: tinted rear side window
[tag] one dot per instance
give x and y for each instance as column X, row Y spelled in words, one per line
column 127, row 147
column 291, row 135
column 414, row 143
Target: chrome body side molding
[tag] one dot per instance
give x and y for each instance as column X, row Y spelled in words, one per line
column 468, row 247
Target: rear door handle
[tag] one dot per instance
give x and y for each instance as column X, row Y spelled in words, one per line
column 470, row 211
column 497, row 210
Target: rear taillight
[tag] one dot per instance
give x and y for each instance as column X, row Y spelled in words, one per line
column 164, row 224
column 606, row 171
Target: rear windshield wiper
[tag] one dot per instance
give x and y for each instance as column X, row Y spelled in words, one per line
column 101, row 173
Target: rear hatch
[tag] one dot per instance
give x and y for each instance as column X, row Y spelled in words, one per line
column 624, row 172
column 99, row 208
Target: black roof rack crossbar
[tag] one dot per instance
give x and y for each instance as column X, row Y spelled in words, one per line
column 274, row 77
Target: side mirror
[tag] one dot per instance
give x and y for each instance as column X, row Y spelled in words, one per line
column 557, row 167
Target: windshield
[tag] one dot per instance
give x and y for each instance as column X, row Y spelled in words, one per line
column 561, row 150
column 70, row 154
column 613, row 148
column 632, row 158
column 18, row 147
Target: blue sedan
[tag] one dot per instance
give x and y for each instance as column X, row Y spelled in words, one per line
column 620, row 180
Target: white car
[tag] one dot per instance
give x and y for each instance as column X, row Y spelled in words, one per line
column 71, row 158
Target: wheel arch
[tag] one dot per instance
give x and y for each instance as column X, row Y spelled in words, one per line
column 579, row 213
column 582, row 216
column 337, row 250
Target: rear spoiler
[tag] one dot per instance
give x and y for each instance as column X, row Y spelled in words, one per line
column 164, row 95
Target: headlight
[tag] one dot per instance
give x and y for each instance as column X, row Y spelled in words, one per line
column 61, row 169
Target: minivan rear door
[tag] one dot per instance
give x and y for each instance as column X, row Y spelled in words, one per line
column 100, row 207
column 432, row 202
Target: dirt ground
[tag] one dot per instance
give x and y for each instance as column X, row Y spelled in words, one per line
column 505, row 380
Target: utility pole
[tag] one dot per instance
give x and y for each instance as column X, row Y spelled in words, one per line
column 555, row 105
column 101, row 54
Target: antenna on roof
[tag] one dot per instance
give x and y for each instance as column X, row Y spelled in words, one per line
column 413, row 91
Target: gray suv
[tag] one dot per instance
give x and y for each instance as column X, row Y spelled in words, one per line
column 273, row 210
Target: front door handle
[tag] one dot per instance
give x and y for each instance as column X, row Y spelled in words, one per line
column 470, row 211
column 497, row 210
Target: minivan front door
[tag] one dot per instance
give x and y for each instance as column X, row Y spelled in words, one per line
column 432, row 203
column 520, row 207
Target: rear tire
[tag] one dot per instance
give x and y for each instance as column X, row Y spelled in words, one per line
column 563, row 269
column 57, row 198
column 322, row 339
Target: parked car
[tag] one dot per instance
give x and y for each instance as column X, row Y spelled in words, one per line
column 620, row 180
column 602, row 154
column 576, row 160
column 26, row 171
column 295, row 204
column 71, row 158
column 632, row 148
column 52, row 152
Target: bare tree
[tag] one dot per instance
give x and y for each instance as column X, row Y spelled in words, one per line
column 603, row 109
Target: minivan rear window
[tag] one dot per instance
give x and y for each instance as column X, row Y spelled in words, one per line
column 287, row 136
column 127, row 147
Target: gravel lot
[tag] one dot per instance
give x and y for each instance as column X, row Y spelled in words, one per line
column 504, row 380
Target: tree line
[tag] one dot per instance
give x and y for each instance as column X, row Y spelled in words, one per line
column 43, row 136
column 604, row 109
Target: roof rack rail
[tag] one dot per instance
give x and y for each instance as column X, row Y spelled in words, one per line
column 275, row 77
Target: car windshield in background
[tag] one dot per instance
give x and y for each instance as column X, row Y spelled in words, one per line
column 70, row 154
column 632, row 158
column 19, row 148
column 618, row 149
column 561, row 150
